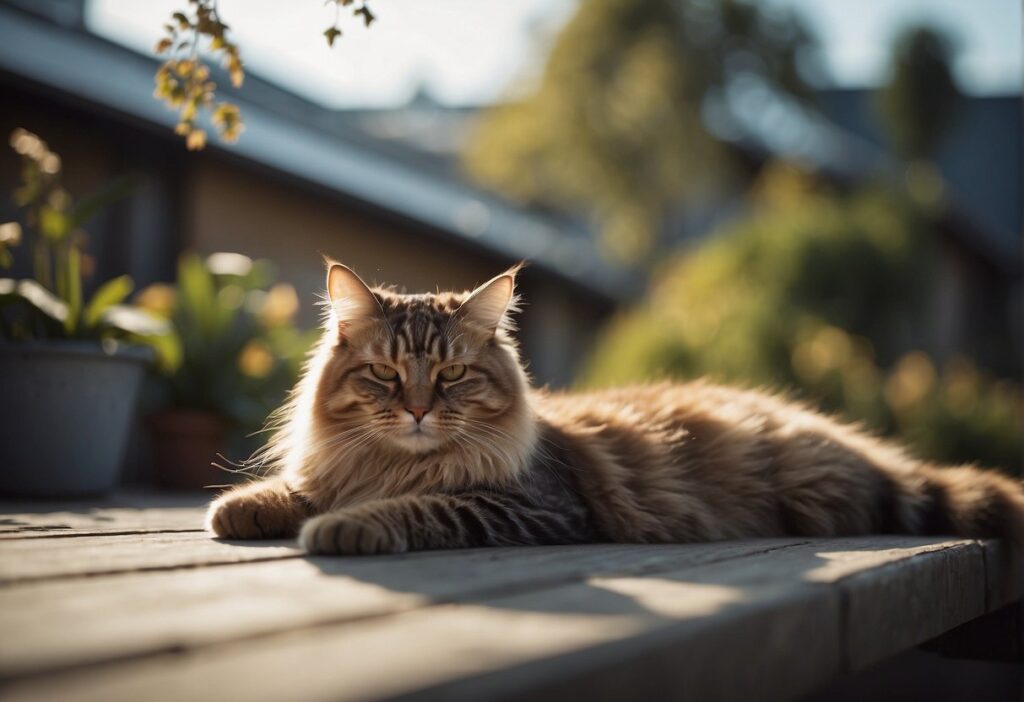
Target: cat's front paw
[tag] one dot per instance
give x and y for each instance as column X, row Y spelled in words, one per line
column 349, row 534
column 255, row 511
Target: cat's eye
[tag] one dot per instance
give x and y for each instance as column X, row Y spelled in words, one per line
column 382, row 372
column 453, row 372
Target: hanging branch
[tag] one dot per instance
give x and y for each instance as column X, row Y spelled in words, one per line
column 183, row 80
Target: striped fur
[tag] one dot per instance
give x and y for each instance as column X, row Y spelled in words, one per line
column 495, row 463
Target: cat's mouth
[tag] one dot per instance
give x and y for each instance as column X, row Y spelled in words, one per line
column 418, row 439
column 418, row 442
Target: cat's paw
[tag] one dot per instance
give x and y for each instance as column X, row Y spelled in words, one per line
column 255, row 512
column 349, row 534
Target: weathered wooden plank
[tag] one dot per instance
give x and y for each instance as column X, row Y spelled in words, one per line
column 39, row 559
column 679, row 631
column 383, row 657
column 118, row 514
column 1005, row 569
column 891, row 603
column 128, row 615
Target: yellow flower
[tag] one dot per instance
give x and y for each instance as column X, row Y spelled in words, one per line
column 829, row 348
column 960, row 383
column 158, row 298
column 256, row 360
column 196, row 140
column 50, row 163
column 910, row 382
column 10, row 234
column 280, row 305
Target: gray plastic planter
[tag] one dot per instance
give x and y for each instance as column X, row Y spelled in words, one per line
column 66, row 408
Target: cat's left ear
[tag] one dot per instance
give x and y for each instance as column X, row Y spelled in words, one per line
column 489, row 304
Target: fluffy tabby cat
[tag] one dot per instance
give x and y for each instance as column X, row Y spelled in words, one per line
column 415, row 427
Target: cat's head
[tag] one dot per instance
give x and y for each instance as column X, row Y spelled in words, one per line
column 421, row 373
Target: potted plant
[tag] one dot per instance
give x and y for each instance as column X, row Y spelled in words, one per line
column 70, row 368
column 239, row 354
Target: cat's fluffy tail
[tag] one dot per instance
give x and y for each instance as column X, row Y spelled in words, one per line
column 965, row 501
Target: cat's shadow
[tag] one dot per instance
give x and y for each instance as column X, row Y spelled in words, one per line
column 705, row 599
column 657, row 583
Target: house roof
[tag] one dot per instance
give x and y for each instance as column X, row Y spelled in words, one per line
column 843, row 140
column 298, row 138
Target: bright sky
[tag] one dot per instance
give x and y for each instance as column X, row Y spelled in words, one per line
column 471, row 51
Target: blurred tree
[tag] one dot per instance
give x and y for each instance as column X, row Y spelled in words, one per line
column 804, row 294
column 617, row 126
column 920, row 100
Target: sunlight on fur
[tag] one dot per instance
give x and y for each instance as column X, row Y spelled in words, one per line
column 414, row 426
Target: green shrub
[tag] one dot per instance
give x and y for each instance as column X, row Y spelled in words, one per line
column 239, row 348
column 809, row 294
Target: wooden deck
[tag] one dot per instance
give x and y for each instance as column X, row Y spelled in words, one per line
column 113, row 602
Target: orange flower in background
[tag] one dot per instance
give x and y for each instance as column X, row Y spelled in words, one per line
column 158, row 298
column 280, row 305
column 256, row 360
column 910, row 382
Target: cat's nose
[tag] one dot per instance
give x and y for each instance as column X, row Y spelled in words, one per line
column 418, row 413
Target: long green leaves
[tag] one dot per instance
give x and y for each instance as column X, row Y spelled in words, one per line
column 113, row 292
column 52, row 305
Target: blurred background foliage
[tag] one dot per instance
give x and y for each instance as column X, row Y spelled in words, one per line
column 50, row 232
column 759, row 265
column 806, row 294
column 619, row 124
column 239, row 348
column 920, row 101
column 811, row 286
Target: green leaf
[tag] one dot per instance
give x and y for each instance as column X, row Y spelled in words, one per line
column 73, row 290
column 133, row 320
column 198, row 293
column 169, row 351
column 54, row 225
column 138, row 326
column 332, row 33
column 368, row 17
column 113, row 292
column 50, row 308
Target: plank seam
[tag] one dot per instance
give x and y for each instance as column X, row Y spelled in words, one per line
column 31, row 579
column 33, row 534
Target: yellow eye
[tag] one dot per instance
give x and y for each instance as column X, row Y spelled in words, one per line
column 453, row 372
column 383, row 372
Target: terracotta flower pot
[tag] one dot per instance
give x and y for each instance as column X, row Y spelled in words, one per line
column 68, row 408
column 185, row 444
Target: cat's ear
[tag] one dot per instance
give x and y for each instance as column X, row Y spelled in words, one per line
column 350, row 297
column 488, row 305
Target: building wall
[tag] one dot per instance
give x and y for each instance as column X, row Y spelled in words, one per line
column 214, row 202
column 231, row 208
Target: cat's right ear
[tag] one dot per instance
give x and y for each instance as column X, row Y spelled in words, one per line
column 350, row 297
